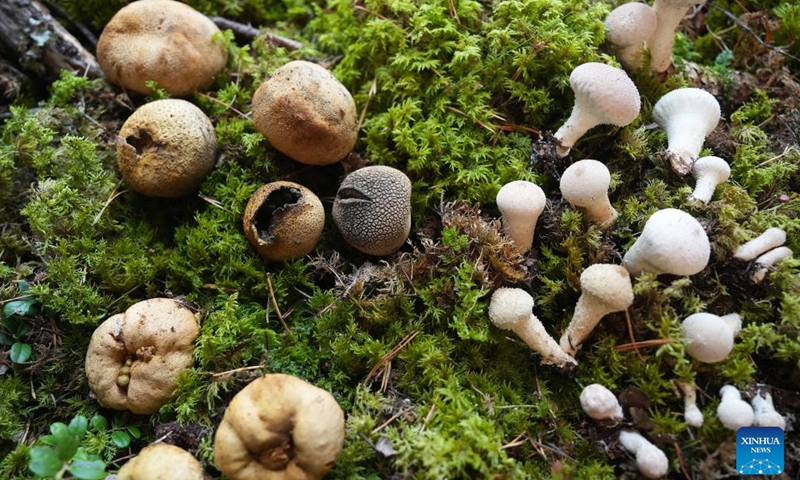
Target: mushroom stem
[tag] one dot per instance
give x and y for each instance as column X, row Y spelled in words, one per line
column 669, row 14
column 771, row 238
column 650, row 460
column 768, row 260
column 602, row 213
column 578, row 123
column 733, row 412
column 692, row 414
column 709, row 172
column 764, row 413
column 535, row 336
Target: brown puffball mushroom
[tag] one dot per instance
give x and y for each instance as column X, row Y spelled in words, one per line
column 161, row 461
column 373, row 209
column 279, row 427
column 134, row 358
column 166, row 148
column 283, row 221
column 164, row 41
column 306, row 113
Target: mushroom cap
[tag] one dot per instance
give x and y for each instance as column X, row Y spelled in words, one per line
column 630, row 24
column 283, row 221
column 676, row 107
column 608, row 285
column 708, row 338
column 372, row 209
column 733, row 412
column 521, row 197
column 279, row 427
column 672, row 241
column 510, row 306
column 166, row 148
column 606, row 93
column 161, row 461
column 157, row 335
column 306, row 113
column 161, row 40
column 711, row 166
column 600, row 403
column 585, row 182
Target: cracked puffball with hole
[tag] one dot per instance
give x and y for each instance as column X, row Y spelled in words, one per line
column 164, row 41
column 134, row 358
column 166, row 148
column 279, row 427
column 283, row 221
column 306, row 113
column 161, row 461
column 372, row 209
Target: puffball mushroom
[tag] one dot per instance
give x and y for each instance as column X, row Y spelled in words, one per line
column 166, row 148
column 603, row 95
column 692, row 414
column 669, row 14
column 134, row 358
column 372, row 209
column 599, row 403
column 650, row 460
column 764, row 414
column 709, row 171
column 164, row 41
column 733, row 412
column 283, row 221
column 604, row 289
column 768, row 260
column 520, row 204
column 628, row 28
column 279, row 427
column 161, row 461
column 771, row 238
column 673, row 242
column 709, row 338
column 585, row 184
column 306, row 113
column 688, row 115
column 511, row 309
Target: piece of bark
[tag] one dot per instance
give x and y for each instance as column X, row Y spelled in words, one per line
column 11, row 81
column 33, row 39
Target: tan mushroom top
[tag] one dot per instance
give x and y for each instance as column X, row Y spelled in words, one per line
column 161, row 40
column 134, row 358
column 279, row 427
column 161, row 461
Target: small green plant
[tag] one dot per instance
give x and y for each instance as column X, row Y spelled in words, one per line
column 14, row 326
column 62, row 456
column 121, row 433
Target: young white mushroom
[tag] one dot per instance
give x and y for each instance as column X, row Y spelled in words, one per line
column 733, row 412
column 599, row 403
column 764, row 413
column 771, row 238
column 688, row 115
column 585, row 184
column 604, row 289
column 709, row 172
column 650, row 460
column 603, row 95
column 766, row 261
column 673, row 242
column 628, row 28
column 709, row 338
column 669, row 14
column 521, row 203
column 511, row 309
column 692, row 414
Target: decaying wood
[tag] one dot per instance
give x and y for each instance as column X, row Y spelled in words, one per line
column 33, row 39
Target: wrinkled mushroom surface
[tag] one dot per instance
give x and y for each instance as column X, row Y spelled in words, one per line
column 134, row 358
column 161, row 461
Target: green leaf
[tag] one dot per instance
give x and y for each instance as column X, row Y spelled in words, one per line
column 66, row 444
column 99, row 422
column 121, row 438
column 20, row 352
column 78, row 426
column 21, row 307
column 88, row 469
column 135, row 432
column 44, row 462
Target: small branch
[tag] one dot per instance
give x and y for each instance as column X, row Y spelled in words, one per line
column 275, row 304
column 250, row 32
column 749, row 30
column 391, row 419
column 236, row 370
column 646, row 343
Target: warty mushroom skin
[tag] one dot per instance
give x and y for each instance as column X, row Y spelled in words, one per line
column 688, row 115
column 511, row 309
column 764, row 413
column 603, row 95
column 673, row 242
column 709, row 172
column 585, row 184
column 161, row 461
column 708, row 337
column 650, row 460
column 629, row 27
column 669, row 14
column 771, row 238
column 520, row 203
column 604, row 289
column 600, row 403
column 733, row 412
column 768, row 260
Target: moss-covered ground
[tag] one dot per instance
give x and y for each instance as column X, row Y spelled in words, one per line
column 452, row 92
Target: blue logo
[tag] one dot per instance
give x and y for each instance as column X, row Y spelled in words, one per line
column 759, row 451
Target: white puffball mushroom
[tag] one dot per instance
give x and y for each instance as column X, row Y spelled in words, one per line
column 511, row 309
column 688, row 115
column 599, row 403
column 650, row 460
column 585, row 184
column 628, row 28
column 709, row 338
column 733, row 412
column 603, row 95
column 604, row 289
column 709, row 172
column 764, row 413
column 771, row 238
column 673, row 242
column 521, row 203
column 692, row 414
column 669, row 14
column 766, row 261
